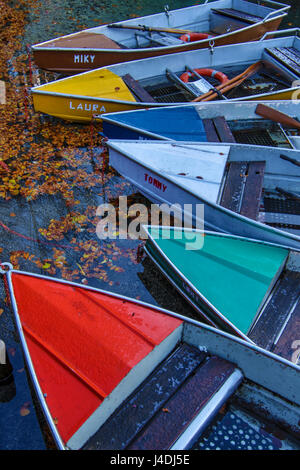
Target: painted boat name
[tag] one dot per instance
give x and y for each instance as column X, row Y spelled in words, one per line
column 83, row 59
column 155, row 182
column 87, row 107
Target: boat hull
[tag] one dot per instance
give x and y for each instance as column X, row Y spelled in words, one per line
column 90, row 94
column 161, row 190
column 85, row 109
column 185, row 122
column 226, row 361
column 79, row 60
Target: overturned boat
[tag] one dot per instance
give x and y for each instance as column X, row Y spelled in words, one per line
column 112, row 373
column 221, row 22
column 268, row 69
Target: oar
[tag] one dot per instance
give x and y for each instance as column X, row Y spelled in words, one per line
column 276, row 116
column 291, row 160
column 233, row 82
column 142, row 27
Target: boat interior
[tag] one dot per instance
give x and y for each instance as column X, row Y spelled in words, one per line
column 279, row 68
column 263, row 189
column 222, row 127
column 227, row 16
column 262, row 186
column 196, row 398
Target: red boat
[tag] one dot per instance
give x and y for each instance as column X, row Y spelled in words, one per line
column 115, row 373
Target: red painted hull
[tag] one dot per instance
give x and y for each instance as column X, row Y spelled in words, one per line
column 82, row 343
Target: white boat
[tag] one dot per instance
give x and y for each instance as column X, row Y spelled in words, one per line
column 246, row 190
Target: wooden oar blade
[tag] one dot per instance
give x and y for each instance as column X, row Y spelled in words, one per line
column 276, row 116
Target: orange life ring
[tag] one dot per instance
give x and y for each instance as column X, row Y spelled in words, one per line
column 205, row 73
column 190, row 37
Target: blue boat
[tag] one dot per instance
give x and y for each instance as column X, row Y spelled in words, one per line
column 207, row 122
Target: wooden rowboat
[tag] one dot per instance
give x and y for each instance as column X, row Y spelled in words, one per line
column 114, row 373
column 222, row 21
column 246, row 287
column 220, row 121
column 241, row 189
column 261, row 70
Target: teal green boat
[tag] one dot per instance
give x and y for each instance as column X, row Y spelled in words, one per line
column 246, row 287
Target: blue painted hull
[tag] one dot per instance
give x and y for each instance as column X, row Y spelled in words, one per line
column 185, row 125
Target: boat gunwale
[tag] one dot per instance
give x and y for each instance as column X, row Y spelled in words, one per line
column 144, row 104
column 252, row 222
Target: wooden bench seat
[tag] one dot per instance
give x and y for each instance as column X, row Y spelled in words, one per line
column 243, row 188
column 140, row 93
column 238, row 15
column 287, row 56
column 217, row 130
column 162, row 407
column 278, row 327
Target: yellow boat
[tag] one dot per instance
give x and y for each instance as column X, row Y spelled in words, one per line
column 268, row 69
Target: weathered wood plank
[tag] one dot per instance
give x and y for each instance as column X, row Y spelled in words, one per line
column 223, row 129
column 279, row 55
column 210, row 131
column 234, row 185
column 243, row 188
column 288, row 344
column 137, row 89
column 274, row 315
column 123, row 426
column 173, row 418
column 253, row 190
column 238, row 15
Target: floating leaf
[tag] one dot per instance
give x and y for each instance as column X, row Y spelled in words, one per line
column 24, row 411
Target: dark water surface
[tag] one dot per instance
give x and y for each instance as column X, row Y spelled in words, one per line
column 26, row 217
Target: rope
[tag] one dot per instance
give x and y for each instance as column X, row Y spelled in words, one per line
column 37, row 240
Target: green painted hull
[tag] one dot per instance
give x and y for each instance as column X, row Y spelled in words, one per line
column 227, row 279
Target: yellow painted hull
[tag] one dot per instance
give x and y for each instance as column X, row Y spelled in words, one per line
column 86, row 96
column 76, row 109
